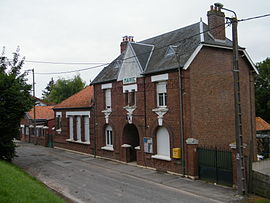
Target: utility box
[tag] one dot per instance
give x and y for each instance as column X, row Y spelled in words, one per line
column 176, row 153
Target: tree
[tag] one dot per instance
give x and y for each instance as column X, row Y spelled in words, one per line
column 48, row 89
column 63, row 89
column 15, row 100
column 262, row 90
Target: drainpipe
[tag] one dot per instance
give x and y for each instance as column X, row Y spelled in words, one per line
column 252, row 126
column 145, row 121
column 181, row 118
column 94, row 120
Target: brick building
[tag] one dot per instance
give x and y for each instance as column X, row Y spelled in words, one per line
column 74, row 122
column 44, row 125
column 165, row 97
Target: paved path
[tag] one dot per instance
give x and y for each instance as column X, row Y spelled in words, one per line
column 83, row 178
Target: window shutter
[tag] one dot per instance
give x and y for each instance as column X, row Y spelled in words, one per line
column 161, row 87
column 163, row 142
column 108, row 100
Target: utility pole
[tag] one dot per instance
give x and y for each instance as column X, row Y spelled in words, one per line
column 241, row 174
column 34, row 95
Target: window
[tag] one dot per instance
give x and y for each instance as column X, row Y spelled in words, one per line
column 86, row 129
column 58, row 122
column 163, row 144
column 79, row 128
column 71, row 128
column 108, row 134
column 108, row 99
column 27, row 130
column 161, row 94
column 129, row 97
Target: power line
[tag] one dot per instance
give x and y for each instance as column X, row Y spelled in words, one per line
column 63, row 63
column 255, row 17
column 147, row 52
column 103, row 64
column 71, row 71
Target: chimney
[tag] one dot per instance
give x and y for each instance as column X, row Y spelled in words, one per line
column 216, row 23
column 124, row 42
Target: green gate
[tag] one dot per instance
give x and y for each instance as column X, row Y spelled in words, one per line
column 215, row 166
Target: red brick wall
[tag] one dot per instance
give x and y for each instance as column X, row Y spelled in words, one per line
column 60, row 139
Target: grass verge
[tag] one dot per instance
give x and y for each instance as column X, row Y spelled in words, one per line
column 17, row 186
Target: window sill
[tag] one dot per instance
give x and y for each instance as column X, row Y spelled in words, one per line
column 161, row 157
column 108, row 148
column 79, row 142
column 125, row 145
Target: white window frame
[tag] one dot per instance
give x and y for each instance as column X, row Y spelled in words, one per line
column 71, row 129
column 87, row 129
column 108, row 133
column 163, row 144
column 108, row 98
column 161, row 90
column 78, row 129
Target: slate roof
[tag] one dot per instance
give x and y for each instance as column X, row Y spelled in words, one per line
column 185, row 40
column 42, row 112
column 261, row 124
column 79, row 100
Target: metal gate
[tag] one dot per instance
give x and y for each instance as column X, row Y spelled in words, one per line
column 215, row 166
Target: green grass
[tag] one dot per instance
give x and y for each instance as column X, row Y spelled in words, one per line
column 18, row 187
column 255, row 199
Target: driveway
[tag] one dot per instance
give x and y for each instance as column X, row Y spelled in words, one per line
column 82, row 178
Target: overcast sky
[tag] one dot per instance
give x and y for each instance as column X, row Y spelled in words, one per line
column 91, row 31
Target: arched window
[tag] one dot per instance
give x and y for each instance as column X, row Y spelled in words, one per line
column 163, row 144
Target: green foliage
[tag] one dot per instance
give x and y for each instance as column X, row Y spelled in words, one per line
column 63, row 89
column 263, row 90
column 15, row 100
column 17, row 186
column 48, row 89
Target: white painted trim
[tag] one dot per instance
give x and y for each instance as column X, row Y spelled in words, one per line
column 193, row 55
column 161, row 157
column 136, row 58
column 137, row 148
column 162, row 77
column 58, row 114
column 243, row 50
column 251, row 62
column 108, row 148
column 79, row 142
column 78, row 113
column 150, row 55
column 129, row 88
column 125, row 145
column 22, row 126
column 106, row 86
column 201, row 31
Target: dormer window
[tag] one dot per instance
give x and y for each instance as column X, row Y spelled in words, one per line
column 170, row 51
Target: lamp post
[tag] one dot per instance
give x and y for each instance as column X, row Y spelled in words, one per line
column 241, row 176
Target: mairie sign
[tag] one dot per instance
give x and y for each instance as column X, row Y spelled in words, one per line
column 129, row 80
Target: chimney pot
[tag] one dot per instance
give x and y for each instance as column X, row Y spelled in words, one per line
column 125, row 41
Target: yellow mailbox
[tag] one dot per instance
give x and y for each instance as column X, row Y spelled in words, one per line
column 176, row 153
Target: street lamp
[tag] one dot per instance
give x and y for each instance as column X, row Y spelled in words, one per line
column 241, row 177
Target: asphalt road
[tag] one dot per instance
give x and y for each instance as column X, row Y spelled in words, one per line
column 83, row 178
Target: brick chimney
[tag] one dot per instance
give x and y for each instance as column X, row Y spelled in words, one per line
column 124, row 42
column 216, row 23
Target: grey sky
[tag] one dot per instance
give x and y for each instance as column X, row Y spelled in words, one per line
column 91, row 31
